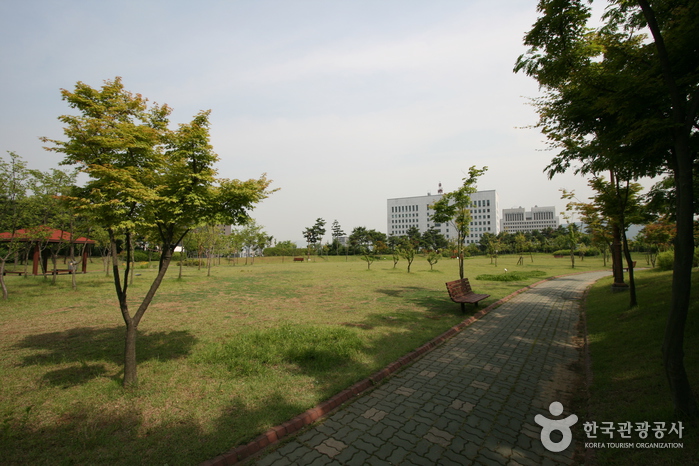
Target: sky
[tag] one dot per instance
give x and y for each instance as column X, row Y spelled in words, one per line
column 343, row 104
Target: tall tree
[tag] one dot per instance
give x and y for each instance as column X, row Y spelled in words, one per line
column 626, row 97
column 314, row 234
column 144, row 176
column 337, row 233
column 454, row 208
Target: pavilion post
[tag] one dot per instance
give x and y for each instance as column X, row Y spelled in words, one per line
column 35, row 259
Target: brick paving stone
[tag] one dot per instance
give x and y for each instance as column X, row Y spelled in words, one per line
column 385, row 451
column 312, row 438
column 397, row 455
column 273, row 459
column 449, row 458
column 331, row 447
column 471, row 400
column 348, row 454
column 403, row 442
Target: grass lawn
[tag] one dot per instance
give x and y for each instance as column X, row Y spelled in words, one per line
column 221, row 358
column 629, row 383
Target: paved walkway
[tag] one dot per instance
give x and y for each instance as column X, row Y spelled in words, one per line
column 470, row 401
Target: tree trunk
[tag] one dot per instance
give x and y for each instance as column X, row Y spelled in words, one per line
column 130, row 373
column 617, row 261
column 26, row 262
column 673, row 343
column 2, row 278
column 633, row 302
column 683, row 117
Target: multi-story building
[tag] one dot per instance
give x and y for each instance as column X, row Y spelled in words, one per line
column 485, row 215
column 406, row 212
column 520, row 220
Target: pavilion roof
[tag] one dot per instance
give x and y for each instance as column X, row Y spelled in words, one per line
column 54, row 236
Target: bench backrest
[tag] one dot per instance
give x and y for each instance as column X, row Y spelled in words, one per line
column 459, row 287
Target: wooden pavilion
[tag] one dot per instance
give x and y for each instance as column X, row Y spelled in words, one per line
column 44, row 236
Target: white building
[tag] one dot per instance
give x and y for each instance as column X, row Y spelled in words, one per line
column 406, row 212
column 519, row 220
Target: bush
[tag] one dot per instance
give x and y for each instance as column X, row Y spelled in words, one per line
column 192, row 262
column 275, row 251
column 665, row 260
column 587, row 252
column 511, row 276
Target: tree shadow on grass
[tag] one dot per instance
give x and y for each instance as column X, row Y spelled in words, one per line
column 90, row 346
column 432, row 301
column 74, row 375
column 124, row 435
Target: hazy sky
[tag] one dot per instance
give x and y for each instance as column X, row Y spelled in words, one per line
column 344, row 104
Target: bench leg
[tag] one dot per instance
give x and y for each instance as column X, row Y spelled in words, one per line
column 463, row 308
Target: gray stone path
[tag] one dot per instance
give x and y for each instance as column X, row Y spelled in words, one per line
column 470, row 401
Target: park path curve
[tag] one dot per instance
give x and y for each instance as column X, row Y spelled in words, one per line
column 471, row 400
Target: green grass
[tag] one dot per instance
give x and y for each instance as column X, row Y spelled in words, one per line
column 221, row 358
column 629, row 382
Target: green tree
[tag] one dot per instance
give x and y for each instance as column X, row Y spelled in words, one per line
column 658, row 236
column 337, row 233
column 144, row 176
column 254, row 239
column 619, row 202
column 625, row 97
column 369, row 243
column 521, row 246
column 433, row 257
column 314, row 234
column 433, row 240
column 14, row 180
column 454, row 208
column 407, row 248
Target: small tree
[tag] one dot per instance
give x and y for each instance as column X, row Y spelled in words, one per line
column 253, row 237
column 658, row 238
column 407, row 249
column 145, row 177
column 13, row 189
column 454, row 208
column 314, row 234
column 337, row 233
column 433, row 258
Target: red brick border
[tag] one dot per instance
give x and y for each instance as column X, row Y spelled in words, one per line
column 292, row 426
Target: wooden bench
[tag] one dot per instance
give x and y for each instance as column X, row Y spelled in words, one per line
column 633, row 266
column 15, row 272
column 460, row 292
column 298, row 259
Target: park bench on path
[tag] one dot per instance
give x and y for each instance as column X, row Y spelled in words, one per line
column 460, row 292
column 16, row 272
column 633, row 266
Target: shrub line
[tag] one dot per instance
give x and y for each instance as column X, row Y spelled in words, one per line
column 299, row 422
